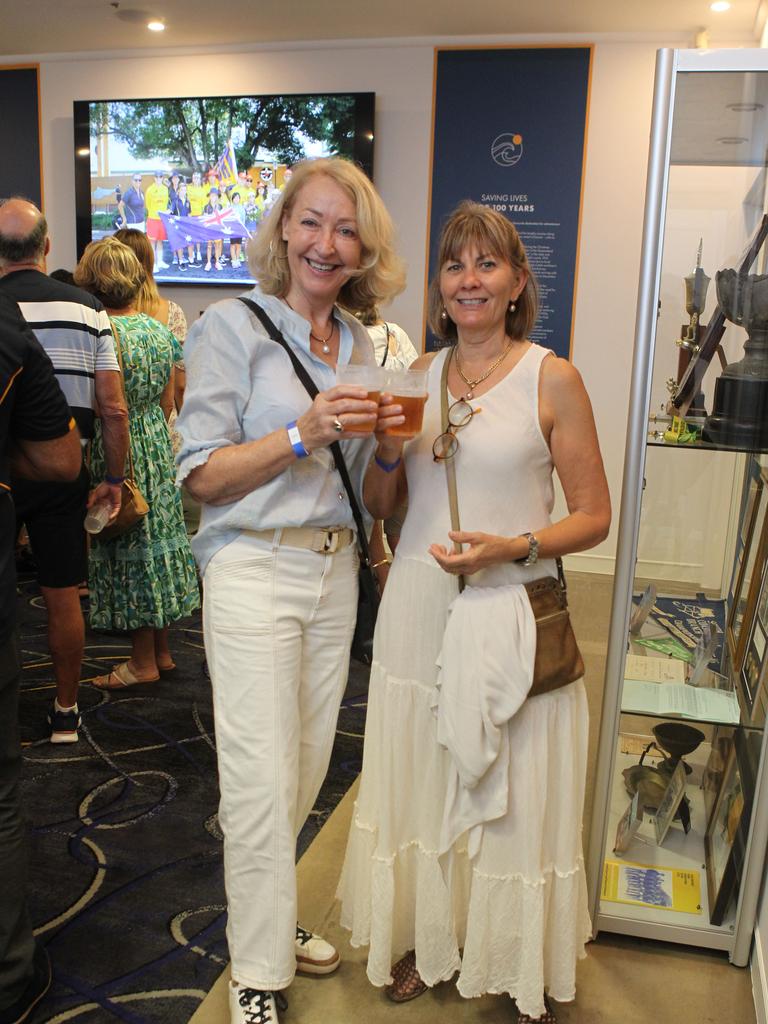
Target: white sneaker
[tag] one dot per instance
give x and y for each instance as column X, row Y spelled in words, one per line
column 253, row 1006
column 313, row 954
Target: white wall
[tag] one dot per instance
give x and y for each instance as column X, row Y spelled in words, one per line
column 402, row 77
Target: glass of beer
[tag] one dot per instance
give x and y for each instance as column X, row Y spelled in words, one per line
column 408, row 389
column 362, row 375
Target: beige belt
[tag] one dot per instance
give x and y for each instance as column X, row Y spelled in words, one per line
column 325, row 540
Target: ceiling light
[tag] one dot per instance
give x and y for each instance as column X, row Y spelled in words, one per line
column 732, row 140
column 156, row 26
column 744, row 108
column 719, row 6
column 84, row 151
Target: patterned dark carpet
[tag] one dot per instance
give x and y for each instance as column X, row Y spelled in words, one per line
column 126, row 875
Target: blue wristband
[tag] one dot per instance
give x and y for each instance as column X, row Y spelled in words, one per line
column 388, row 467
column 296, row 443
column 113, row 481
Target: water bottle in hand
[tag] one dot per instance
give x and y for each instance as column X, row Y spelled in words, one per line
column 97, row 517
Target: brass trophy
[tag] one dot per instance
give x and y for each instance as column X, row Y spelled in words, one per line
column 696, row 285
column 740, row 407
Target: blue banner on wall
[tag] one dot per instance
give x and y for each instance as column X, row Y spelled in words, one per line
column 510, row 132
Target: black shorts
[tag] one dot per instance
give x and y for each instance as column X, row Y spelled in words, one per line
column 53, row 514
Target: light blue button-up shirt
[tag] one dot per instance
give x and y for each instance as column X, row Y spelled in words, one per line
column 241, row 386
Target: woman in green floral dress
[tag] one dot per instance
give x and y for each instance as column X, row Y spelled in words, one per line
column 144, row 579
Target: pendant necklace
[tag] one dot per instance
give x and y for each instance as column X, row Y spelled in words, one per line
column 324, row 341
column 472, row 384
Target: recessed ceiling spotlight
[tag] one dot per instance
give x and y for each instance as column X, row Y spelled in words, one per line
column 719, row 6
column 156, row 26
column 84, row 151
column 732, row 140
column 744, row 108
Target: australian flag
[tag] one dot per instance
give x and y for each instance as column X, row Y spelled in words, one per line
column 183, row 231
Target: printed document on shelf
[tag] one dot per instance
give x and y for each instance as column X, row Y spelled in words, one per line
column 654, row 670
column 679, row 699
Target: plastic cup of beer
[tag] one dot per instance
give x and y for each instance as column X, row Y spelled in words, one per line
column 362, row 375
column 408, row 389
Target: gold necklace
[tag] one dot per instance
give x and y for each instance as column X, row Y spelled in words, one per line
column 472, row 384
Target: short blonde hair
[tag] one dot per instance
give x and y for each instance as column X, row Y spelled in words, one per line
column 381, row 274
column 491, row 232
column 148, row 298
column 110, row 271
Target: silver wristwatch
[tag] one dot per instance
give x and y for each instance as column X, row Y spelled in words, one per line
column 533, row 551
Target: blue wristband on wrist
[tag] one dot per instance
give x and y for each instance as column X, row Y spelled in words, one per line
column 388, row 467
column 296, row 443
column 113, row 481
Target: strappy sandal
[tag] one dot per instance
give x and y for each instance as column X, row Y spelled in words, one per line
column 407, row 983
column 548, row 1017
column 120, row 677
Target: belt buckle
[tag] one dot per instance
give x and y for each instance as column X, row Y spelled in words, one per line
column 331, row 541
column 326, row 542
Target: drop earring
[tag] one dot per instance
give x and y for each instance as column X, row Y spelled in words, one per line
column 512, row 307
column 444, row 316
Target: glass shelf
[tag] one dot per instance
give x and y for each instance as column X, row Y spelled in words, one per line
column 706, row 446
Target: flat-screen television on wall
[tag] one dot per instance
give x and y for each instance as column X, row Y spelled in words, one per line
column 199, row 175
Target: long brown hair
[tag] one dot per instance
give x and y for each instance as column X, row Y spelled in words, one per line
column 472, row 224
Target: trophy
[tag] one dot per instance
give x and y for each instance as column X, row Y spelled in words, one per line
column 696, row 285
column 740, row 407
column 676, row 739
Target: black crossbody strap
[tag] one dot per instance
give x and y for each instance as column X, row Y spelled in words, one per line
column 386, row 344
column 312, row 390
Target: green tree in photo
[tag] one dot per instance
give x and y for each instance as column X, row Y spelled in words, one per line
column 192, row 134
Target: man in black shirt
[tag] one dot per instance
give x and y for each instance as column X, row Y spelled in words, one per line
column 39, row 441
column 74, row 330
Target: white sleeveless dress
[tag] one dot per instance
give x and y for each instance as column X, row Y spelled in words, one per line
column 511, row 894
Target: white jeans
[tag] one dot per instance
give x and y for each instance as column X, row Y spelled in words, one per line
column 278, row 627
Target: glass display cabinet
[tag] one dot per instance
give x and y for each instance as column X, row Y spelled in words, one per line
column 680, row 824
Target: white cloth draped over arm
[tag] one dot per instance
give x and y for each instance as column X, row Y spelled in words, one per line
column 485, row 672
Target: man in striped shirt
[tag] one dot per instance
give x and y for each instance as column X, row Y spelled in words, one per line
column 74, row 330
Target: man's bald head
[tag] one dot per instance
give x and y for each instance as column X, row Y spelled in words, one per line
column 23, row 234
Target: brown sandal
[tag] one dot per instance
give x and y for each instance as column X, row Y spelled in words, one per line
column 548, row 1017
column 407, row 983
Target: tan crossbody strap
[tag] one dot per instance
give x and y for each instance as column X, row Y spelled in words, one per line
column 116, row 336
column 450, row 466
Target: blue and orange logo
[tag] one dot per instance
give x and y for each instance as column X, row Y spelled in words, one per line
column 507, row 149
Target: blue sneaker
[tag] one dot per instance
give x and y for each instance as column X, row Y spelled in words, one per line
column 64, row 725
column 33, row 993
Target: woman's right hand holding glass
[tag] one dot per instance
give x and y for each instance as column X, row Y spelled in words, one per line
column 345, row 406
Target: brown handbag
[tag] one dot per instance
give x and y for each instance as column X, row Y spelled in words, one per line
column 133, row 504
column 558, row 660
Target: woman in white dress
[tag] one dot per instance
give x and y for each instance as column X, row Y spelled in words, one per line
column 392, row 348
column 465, row 847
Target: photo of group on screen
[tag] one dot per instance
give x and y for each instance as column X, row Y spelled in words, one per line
column 197, row 176
column 198, row 222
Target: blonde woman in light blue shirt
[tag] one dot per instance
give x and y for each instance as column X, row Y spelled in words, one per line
column 276, row 544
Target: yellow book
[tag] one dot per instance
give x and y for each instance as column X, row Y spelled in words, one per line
column 647, row 886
